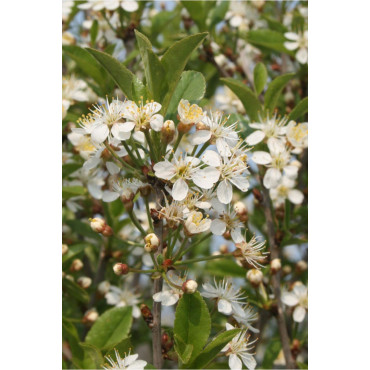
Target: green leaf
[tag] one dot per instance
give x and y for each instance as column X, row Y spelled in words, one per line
column 246, row 96
column 110, row 328
column 274, row 90
column 269, row 39
column 182, row 349
column 72, row 191
column 213, row 349
column 69, row 168
column 120, row 74
column 75, row 290
column 83, row 229
column 218, row 13
column 271, row 352
column 94, row 32
column 299, row 110
column 196, row 10
column 174, row 61
column 73, row 251
column 93, row 358
column 225, row 268
column 122, row 347
column 260, row 77
column 70, row 333
column 302, row 365
column 192, row 323
column 86, row 62
column 192, row 86
column 154, row 72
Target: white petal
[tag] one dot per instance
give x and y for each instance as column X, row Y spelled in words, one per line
column 295, row 196
column 255, row 137
column 223, row 148
column 164, row 170
column 112, row 168
column 130, row 5
column 200, row 137
column 109, row 196
column 100, row 133
column 275, row 145
column 291, row 36
column 291, row 171
column 218, row 227
column 302, row 55
column 236, row 21
column 91, row 163
column 180, row 189
column 300, row 290
column 271, row 178
column 229, row 326
column 224, row 192
column 194, row 161
column 206, row 177
column 224, row 307
column 127, row 126
column 235, row 362
column 299, row 314
column 261, row 157
column 211, row 158
column 156, row 122
column 241, row 182
column 236, row 235
column 249, row 362
column 291, row 45
column 289, row 299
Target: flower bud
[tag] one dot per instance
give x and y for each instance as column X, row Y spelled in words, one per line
column 275, row 265
column 151, row 242
column 90, row 316
column 255, row 277
column 224, row 249
column 120, row 269
column 287, row 270
column 189, row 286
column 184, row 127
column 241, row 211
column 97, row 224
column 301, row 266
column 168, row 131
column 103, row 287
column 107, row 231
column 84, row 282
column 64, row 249
column 76, row 265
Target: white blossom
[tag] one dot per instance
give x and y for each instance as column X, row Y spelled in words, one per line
column 297, row 135
column 298, row 41
column 129, row 362
column 251, row 251
column 297, row 297
column 122, row 298
column 285, row 190
column 228, row 220
column 172, row 294
column 189, row 113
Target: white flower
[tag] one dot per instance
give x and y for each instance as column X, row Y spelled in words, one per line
column 173, row 213
column 122, row 298
column 129, row 362
column 228, row 298
column 232, row 170
column 170, row 296
column 182, row 170
column 196, row 223
column 251, row 251
column 298, row 41
column 267, row 128
column 298, row 297
column 278, row 160
column 228, row 101
column 126, row 189
column 82, row 144
column 297, row 135
column 285, row 190
column 127, row 5
column 238, row 351
column 216, row 130
column 189, row 114
column 228, row 220
column 245, row 316
column 143, row 116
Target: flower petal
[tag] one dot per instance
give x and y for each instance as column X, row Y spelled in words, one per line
column 100, row 133
column 271, row 178
column 299, row 314
column 255, row 137
column 261, row 157
column 225, row 192
column 200, row 137
column 180, row 189
column 224, row 307
column 218, row 227
column 295, row 196
column 289, row 299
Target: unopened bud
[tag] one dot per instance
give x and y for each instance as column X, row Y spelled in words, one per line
column 151, row 242
column 189, row 286
column 275, row 265
column 90, row 316
column 97, row 224
column 224, row 249
column 301, row 266
column 286, row 270
column 168, row 131
column 64, row 249
column 167, row 263
column 103, row 287
column 241, row 211
column 76, row 265
column 107, row 231
column 120, row 269
column 255, row 277
column 84, row 282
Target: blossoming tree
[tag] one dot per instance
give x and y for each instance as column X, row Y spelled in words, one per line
column 184, row 184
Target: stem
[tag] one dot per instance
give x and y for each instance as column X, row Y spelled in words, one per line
column 202, row 149
column 124, row 164
column 150, row 144
column 201, row 259
column 148, row 213
column 178, row 254
column 142, row 271
column 176, row 145
column 205, row 237
column 130, row 153
column 275, row 280
column 136, row 222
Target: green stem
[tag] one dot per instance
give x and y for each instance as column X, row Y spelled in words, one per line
column 205, row 237
column 130, row 153
column 142, row 271
column 204, row 147
column 178, row 254
column 176, row 145
column 136, row 222
column 201, row 259
column 150, row 144
column 148, row 213
column 194, row 150
column 173, row 242
column 115, row 155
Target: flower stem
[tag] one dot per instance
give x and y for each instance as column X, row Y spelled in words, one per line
column 202, row 149
column 176, row 145
column 125, row 165
column 201, row 259
column 148, row 213
column 151, row 147
column 205, row 237
column 136, row 222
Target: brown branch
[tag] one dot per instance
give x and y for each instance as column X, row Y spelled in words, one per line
column 275, row 280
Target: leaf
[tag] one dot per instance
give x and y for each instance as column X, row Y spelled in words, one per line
column 302, row 365
column 70, row 333
column 124, row 346
column 192, row 323
column 196, row 11
column 274, row 90
column 72, row 191
column 218, row 13
column 225, row 268
column 269, row 39
column 73, row 251
column 192, row 86
column 174, row 61
column 260, row 77
column 69, row 168
column 246, row 96
column 299, row 110
column 86, row 62
column 213, row 349
column 83, row 229
column 94, row 32
column 271, row 352
column 110, row 328
column 183, row 350
column 120, row 74
column 93, row 358
column 154, row 72
column 75, row 290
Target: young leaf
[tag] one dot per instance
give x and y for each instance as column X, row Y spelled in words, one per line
column 217, row 14
column 213, row 349
column 154, row 72
column 192, row 86
column 269, row 39
column 174, row 61
column 93, row 358
column 246, row 96
column 196, row 10
column 69, row 168
column 260, row 77
column 120, row 74
column 94, row 32
column 299, row 110
column 274, row 90
column 271, row 352
column 75, row 291
column 110, row 328
column 72, row 191
column 225, row 268
column 192, row 322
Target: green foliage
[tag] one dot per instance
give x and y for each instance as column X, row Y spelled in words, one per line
column 73, row 252
column 260, row 77
column 191, row 86
column 225, row 268
column 274, row 90
column 69, row 168
column 246, row 96
column 199, row 11
column 299, row 110
column 272, row 350
column 75, row 291
column 72, row 191
column 110, row 328
column 269, row 39
column 192, row 326
column 94, row 32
